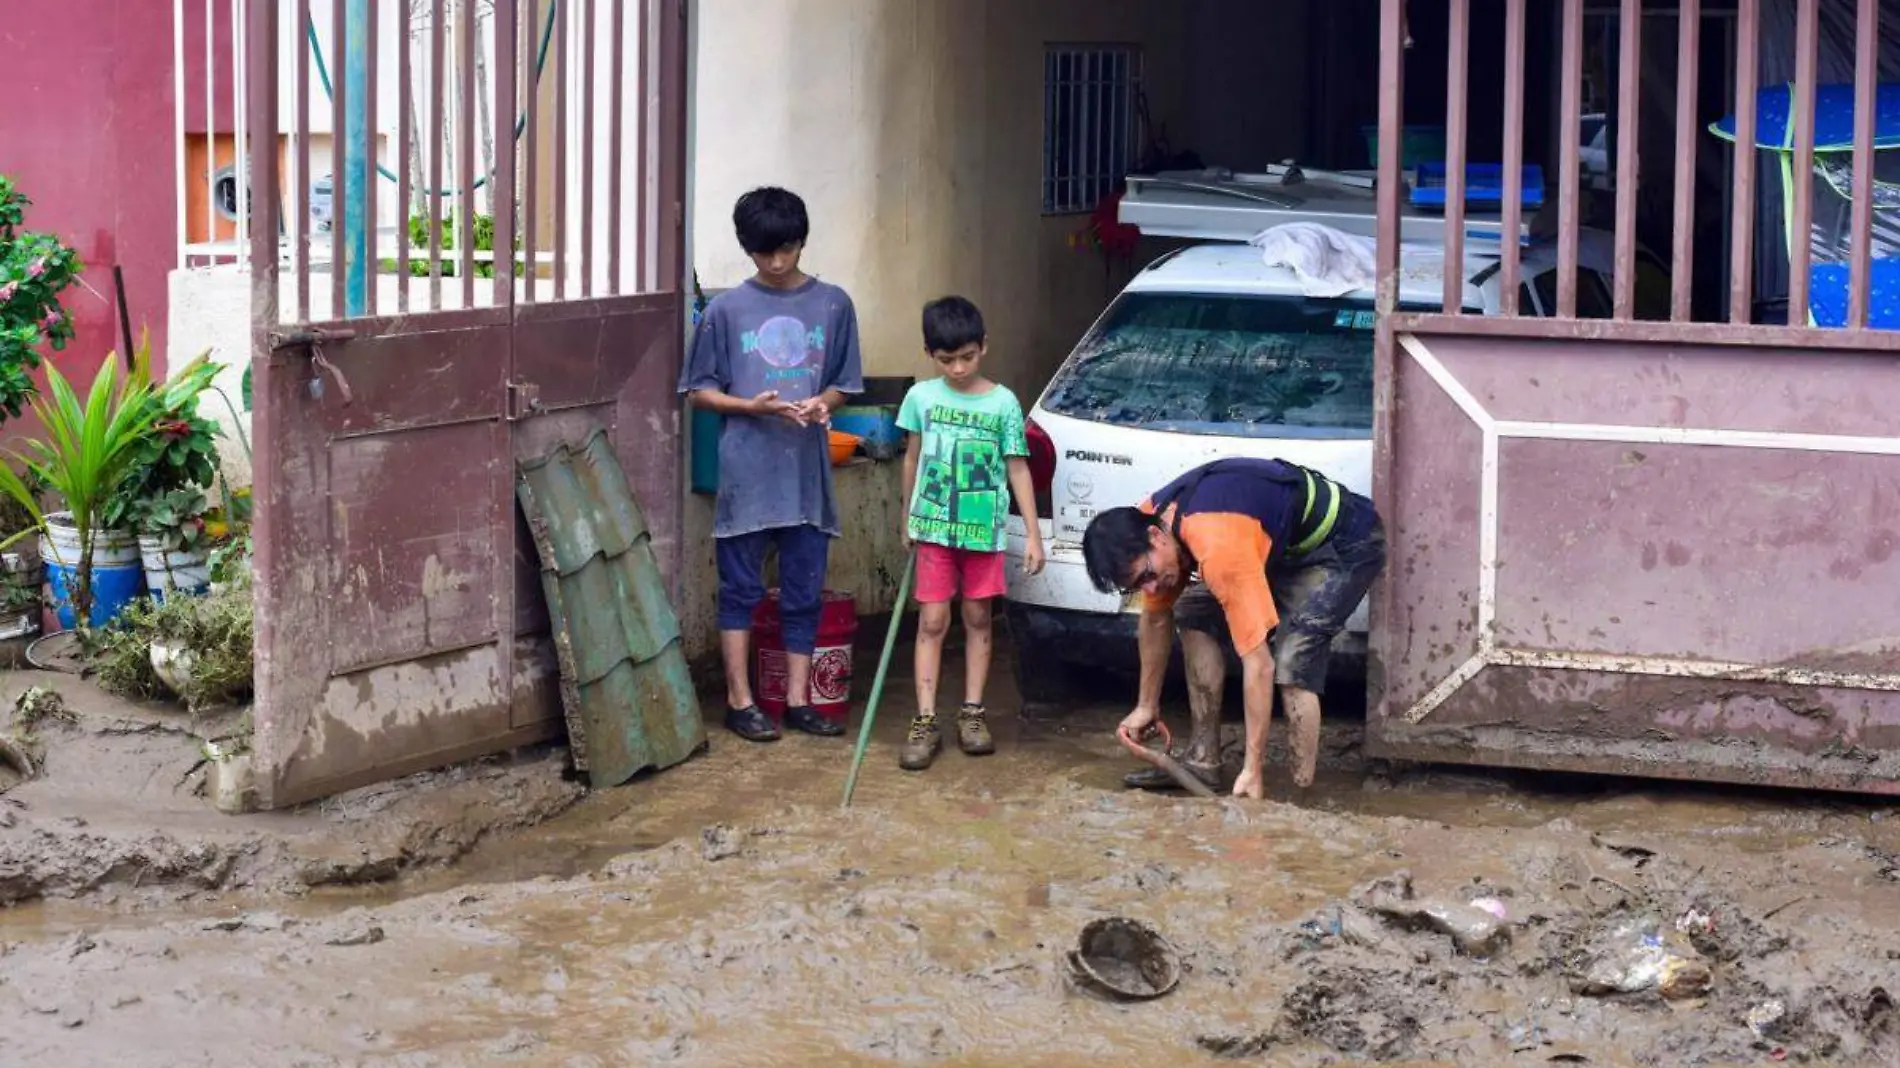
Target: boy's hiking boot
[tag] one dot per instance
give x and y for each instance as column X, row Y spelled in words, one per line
column 973, row 731
column 751, row 724
column 922, row 744
column 805, row 718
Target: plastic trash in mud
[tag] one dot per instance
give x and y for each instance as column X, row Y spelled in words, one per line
column 1125, row 958
column 1475, row 931
column 1636, row 955
column 1765, row 1019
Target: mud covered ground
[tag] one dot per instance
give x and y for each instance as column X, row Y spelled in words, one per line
column 727, row 913
column 116, row 812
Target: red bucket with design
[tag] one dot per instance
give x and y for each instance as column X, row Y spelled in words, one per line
column 830, row 660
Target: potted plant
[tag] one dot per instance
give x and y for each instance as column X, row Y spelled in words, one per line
column 88, row 449
column 162, row 495
column 173, row 541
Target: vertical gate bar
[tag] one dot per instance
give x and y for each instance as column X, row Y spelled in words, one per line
column 1569, row 125
column 590, row 19
column 670, row 212
column 1510, row 230
column 560, row 150
column 372, row 159
column 1391, row 127
column 643, row 210
column 530, row 153
column 1801, row 204
column 262, row 105
column 1861, row 237
column 267, row 415
column 405, row 141
column 1688, row 65
column 352, row 78
column 1628, row 88
column 180, row 191
column 237, row 130
column 1741, row 273
column 465, row 112
column 300, row 40
column 506, row 53
column 1457, row 116
column 437, row 53
column 339, row 162
column 616, row 116
column 211, row 131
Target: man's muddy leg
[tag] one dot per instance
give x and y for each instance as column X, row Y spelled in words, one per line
column 1302, row 715
column 1207, row 682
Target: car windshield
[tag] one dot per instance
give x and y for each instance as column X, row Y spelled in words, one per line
column 1283, row 366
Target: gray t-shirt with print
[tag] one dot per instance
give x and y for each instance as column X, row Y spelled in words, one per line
column 799, row 342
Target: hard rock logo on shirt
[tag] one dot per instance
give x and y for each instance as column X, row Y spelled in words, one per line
column 792, row 353
column 961, row 480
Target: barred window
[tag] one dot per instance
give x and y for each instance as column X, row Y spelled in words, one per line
column 1088, row 107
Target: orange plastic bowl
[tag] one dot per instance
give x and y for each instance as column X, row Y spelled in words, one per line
column 842, row 446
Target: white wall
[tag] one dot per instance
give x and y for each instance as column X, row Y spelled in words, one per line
column 914, row 133
column 210, row 309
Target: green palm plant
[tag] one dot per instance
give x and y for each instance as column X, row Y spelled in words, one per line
column 89, row 448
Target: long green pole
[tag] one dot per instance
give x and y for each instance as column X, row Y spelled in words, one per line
column 877, row 684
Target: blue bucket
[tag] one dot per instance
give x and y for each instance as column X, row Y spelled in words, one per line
column 874, row 425
column 118, row 571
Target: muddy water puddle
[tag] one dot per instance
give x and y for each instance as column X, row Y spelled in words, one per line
column 727, row 913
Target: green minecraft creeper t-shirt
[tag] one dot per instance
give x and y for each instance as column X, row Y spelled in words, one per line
column 962, row 496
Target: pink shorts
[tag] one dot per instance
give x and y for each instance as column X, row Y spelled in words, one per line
column 942, row 573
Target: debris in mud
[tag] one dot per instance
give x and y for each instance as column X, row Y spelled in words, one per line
column 1476, row 932
column 1237, row 1047
column 36, row 705
column 1126, row 958
column 1632, row 954
column 1765, row 1019
column 719, row 842
column 1352, row 1010
column 367, row 935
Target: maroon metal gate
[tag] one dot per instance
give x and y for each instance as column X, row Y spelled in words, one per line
column 400, row 622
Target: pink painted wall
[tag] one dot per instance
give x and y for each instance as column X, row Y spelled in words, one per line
column 86, row 129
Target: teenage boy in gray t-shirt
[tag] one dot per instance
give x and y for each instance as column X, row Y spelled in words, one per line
column 774, row 356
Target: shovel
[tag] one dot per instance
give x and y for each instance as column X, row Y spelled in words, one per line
column 877, row 684
column 1161, row 759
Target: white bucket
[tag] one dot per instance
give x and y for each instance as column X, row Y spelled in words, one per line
column 59, row 545
column 186, row 571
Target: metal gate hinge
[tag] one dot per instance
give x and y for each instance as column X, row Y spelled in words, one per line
column 524, row 399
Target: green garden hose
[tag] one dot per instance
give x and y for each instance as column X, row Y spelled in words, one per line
column 877, row 684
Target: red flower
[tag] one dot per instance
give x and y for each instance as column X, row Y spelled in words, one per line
column 172, row 428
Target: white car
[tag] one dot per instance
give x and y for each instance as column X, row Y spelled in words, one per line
column 1208, row 352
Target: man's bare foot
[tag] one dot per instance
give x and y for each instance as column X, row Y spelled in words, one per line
column 1303, row 778
column 1251, row 783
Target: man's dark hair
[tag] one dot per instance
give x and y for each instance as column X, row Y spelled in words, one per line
column 769, row 218
column 951, row 323
column 1114, row 540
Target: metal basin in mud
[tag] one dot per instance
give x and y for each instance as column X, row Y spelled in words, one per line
column 1125, row 958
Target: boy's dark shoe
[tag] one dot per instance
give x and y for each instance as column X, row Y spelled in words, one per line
column 921, row 745
column 751, row 724
column 973, row 731
column 1156, row 779
column 804, row 718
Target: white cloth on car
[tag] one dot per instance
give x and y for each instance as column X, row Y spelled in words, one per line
column 1328, row 262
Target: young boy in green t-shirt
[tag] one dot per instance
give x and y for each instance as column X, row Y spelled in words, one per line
column 965, row 455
